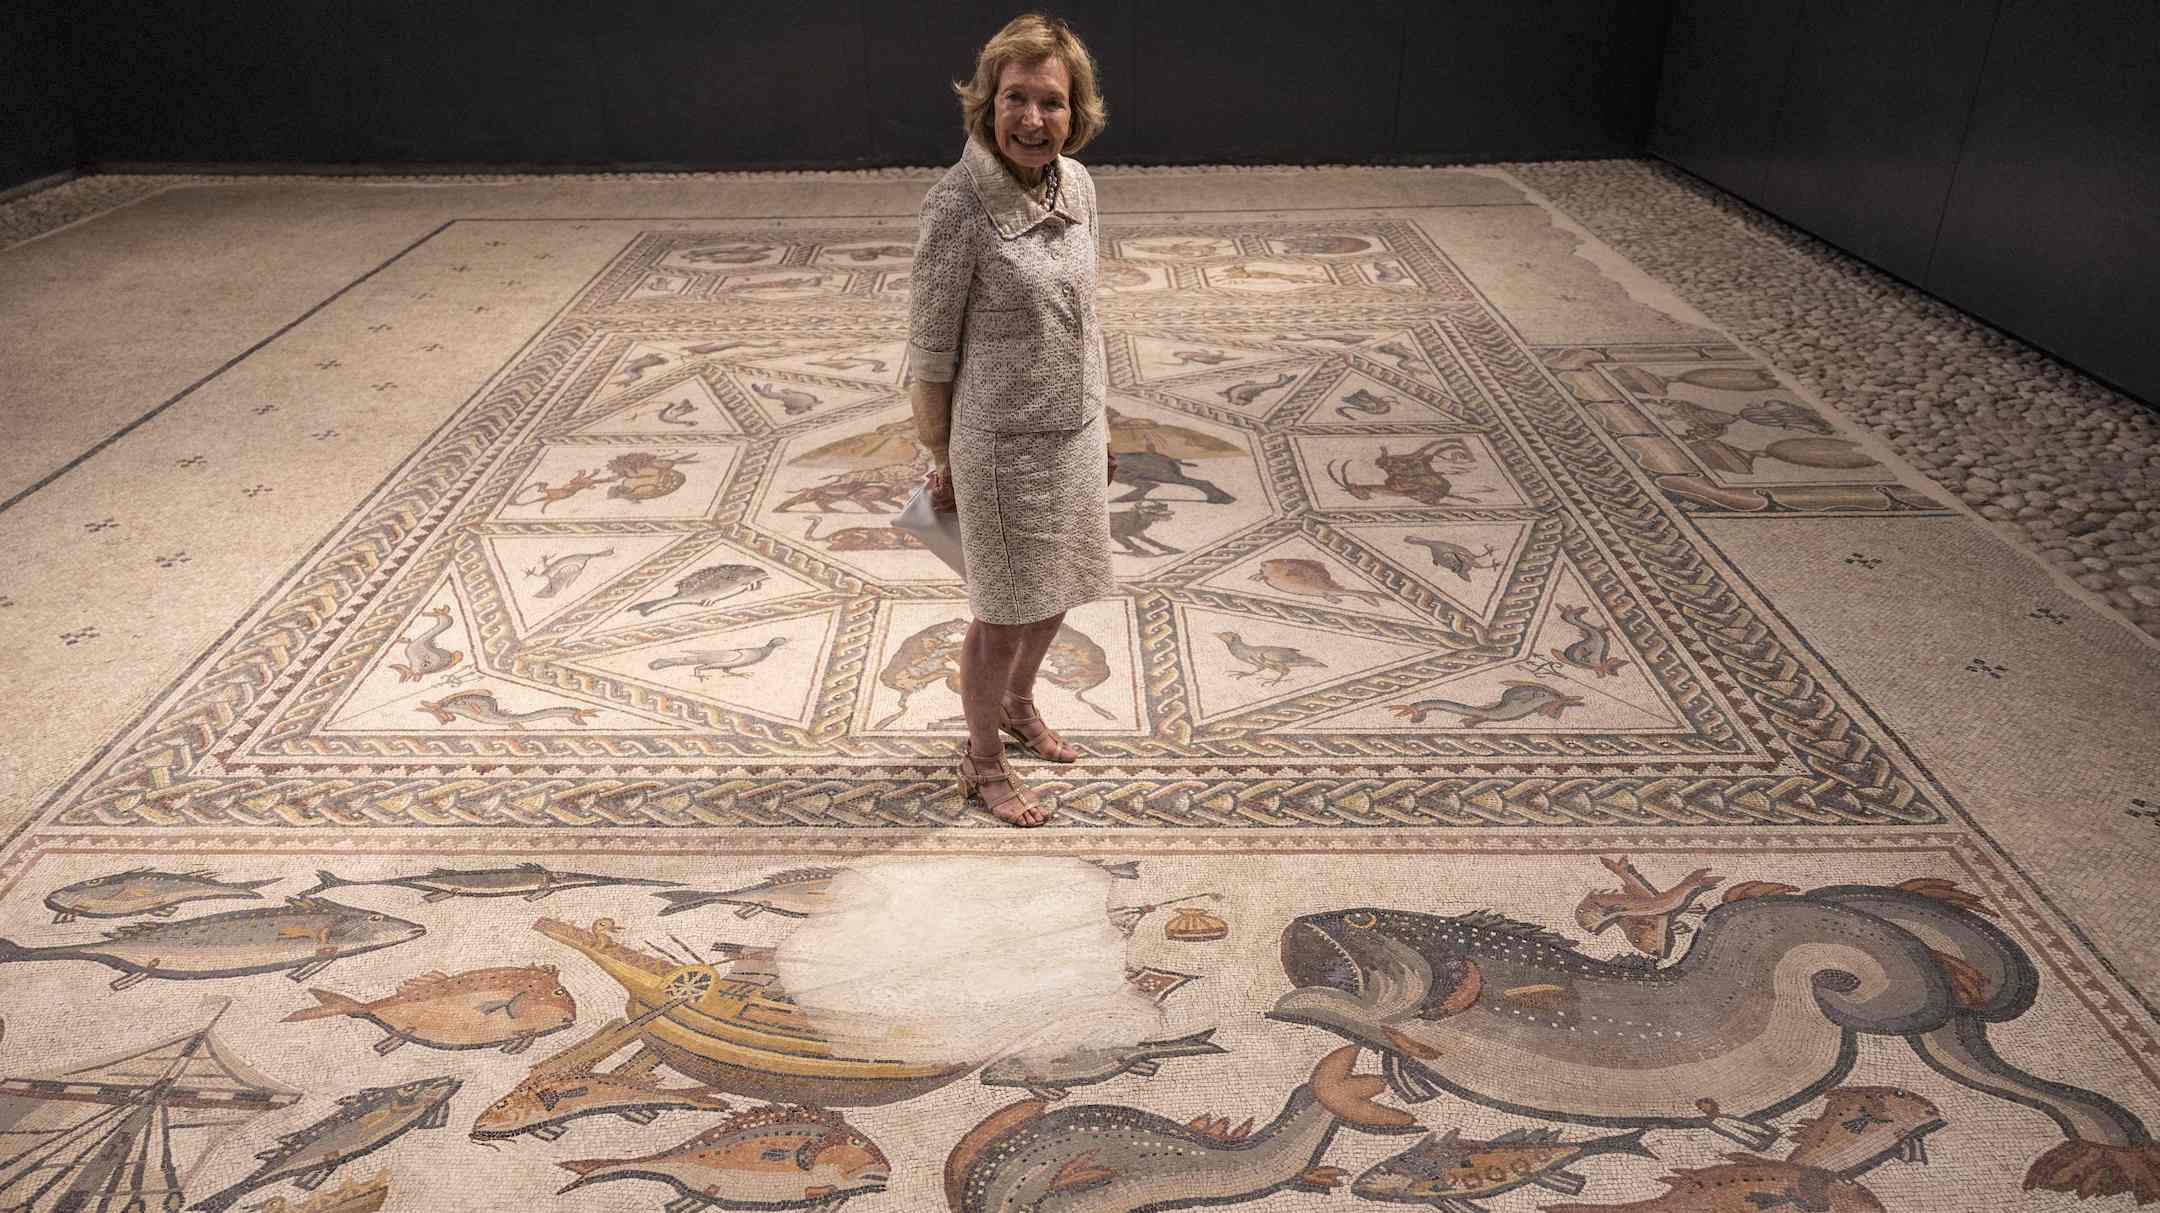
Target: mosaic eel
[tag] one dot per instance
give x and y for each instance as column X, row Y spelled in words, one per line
column 1760, row 1016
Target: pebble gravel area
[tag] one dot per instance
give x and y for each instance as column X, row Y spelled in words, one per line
column 2065, row 466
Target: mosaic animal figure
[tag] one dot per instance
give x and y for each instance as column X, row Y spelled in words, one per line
column 481, row 707
column 792, row 401
column 1363, row 401
column 876, row 366
column 1052, row 1078
column 497, row 1008
column 1591, row 651
column 729, row 662
column 863, row 538
column 299, row 938
column 529, row 881
column 644, row 476
column 706, row 586
column 145, row 891
column 766, row 1158
column 1104, row 1158
column 1297, row 575
column 422, row 655
column 794, row 893
column 1242, row 394
column 1454, row 557
column 727, row 254
column 1644, row 913
column 1128, row 529
column 869, row 490
column 1519, row 700
column 1414, row 474
column 1449, row 1172
column 1759, row 1017
column 364, row 1122
column 559, row 572
column 571, row 1085
column 1276, row 659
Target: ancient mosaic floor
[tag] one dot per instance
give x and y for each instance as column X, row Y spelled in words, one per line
column 1540, row 760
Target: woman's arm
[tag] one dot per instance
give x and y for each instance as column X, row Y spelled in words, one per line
column 933, row 416
column 938, row 286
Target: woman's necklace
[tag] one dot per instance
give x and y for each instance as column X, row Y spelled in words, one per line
column 1046, row 191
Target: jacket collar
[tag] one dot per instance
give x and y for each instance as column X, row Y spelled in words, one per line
column 1010, row 209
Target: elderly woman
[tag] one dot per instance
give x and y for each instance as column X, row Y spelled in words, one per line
column 1006, row 362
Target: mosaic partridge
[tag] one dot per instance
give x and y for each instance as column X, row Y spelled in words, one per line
column 1274, row 659
column 728, row 661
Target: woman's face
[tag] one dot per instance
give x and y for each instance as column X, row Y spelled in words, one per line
column 1033, row 115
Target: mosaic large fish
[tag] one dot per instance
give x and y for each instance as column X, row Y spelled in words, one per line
column 766, row 1158
column 365, row 1121
column 303, row 937
column 496, row 1008
column 1104, row 1158
column 530, row 881
column 145, row 891
column 1761, row 1015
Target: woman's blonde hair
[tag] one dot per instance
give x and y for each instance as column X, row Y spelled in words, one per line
column 1031, row 38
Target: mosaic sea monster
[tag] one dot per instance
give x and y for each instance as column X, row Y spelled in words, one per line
column 1761, row 1015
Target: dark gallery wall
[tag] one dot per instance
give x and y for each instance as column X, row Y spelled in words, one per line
column 37, row 138
column 2004, row 154
column 278, row 84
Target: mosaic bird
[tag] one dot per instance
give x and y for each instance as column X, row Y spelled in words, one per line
column 1296, row 575
column 1454, row 557
column 730, row 662
column 1275, row 659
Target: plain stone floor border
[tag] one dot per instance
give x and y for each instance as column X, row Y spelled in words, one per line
column 2064, row 466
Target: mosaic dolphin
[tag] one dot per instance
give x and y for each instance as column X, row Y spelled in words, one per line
column 1761, row 1015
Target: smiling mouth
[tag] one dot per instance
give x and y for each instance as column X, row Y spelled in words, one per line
column 1036, row 145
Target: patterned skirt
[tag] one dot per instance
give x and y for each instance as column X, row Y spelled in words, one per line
column 1034, row 520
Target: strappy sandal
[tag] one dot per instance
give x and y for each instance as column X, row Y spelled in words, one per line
column 1034, row 733
column 976, row 771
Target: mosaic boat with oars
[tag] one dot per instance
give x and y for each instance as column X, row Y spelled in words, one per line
column 732, row 1027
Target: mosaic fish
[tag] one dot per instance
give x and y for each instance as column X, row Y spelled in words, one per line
column 571, row 1085
column 1861, row 1128
column 706, row 586
column 1519, row 700
column 1592, row 650
column 354, row 1196
column 500, row 1008
column 1103, row 1158
column 767, row 1158
column 1760, row 1016
column 1746, row 1184
column 145, row 891
column 365, row 1122
column 1052, row 1078
column 1452, row 1174
column 303, row 936
column 530, row 881
column 795, row 893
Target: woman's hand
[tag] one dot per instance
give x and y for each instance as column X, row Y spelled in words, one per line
column 939, row 482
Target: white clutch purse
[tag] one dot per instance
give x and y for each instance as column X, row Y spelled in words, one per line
column 938, row 532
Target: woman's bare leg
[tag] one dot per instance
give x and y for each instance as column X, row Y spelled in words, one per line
column 1034, row 646
column 987, row 657
column 1020, row 707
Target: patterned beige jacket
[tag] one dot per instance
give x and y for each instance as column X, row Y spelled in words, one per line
column 1002, row 297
